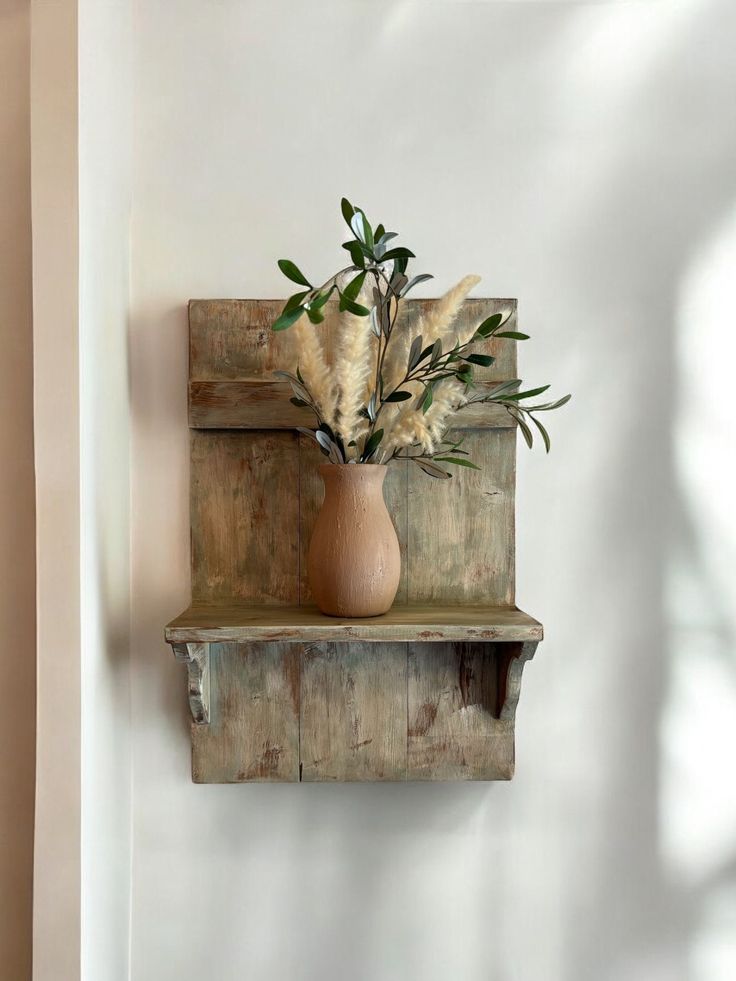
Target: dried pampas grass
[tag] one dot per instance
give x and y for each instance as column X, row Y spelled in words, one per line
column 353, row 372
column 412, row 427
column 341, row 391
column 437, row 324
column 315, row 370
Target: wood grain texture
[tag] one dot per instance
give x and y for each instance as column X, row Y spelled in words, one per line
column 245, row 516
column 453, row 707
column 353, row 712
column 253, row 733
column 240, row 623
column 425, row 692
column 232, row 339
column 255, row 404
column 461, row 531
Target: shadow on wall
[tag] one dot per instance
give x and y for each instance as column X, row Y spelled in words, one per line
column 594, row 865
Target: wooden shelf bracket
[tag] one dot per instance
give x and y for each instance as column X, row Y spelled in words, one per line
column 197, row 659
column 513, row 680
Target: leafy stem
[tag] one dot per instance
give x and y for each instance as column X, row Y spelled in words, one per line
column 375, row 255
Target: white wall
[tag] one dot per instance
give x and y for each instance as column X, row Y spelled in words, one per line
column 105, row 149
column 583, row 158
column 17, row 524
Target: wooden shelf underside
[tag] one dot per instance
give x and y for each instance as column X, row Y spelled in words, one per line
column 240, row 623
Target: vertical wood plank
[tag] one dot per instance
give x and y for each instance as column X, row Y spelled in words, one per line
column 353, row 712
column 245, row 516
column 253, row 734
column 461, row 531
column 453, row 695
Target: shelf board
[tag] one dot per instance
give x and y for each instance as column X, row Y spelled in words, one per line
column 240, row 623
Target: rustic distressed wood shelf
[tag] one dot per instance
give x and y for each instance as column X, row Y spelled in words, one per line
column 241, row 624
column 277, row 690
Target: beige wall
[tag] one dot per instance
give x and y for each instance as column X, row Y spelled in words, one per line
column 17, row 532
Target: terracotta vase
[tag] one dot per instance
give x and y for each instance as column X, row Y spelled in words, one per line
column 354, row 561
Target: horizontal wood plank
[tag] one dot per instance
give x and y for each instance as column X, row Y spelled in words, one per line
column 240, row 623
column 264, row 404
column 232, row 339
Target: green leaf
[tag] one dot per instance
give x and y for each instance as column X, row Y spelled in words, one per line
column 436, row 352
column 415, row 352
column 347, row 210
column 372, row 445
column 367, row 231
column 287, row 319
column 507, row 386
column 398, row 397
column 398, row 253
column 347, row 304
column 300, row 391
column 397, row 284
column 319, row 301
column 543, row 431
column 415, row 282
column 380, row 232
column 299, row 402
column 356, row 225
column 354, row 286
column 307, row 432
column 526, row 395
column 294, row 301
column 324, row 441
column 548, row 406
column 458, row 461
column 488, row 326
column 356, row 253
column 486, row 360
column 526, row 431
column 514, row 335
column 361, row 228
column 293, row 272
column 315, row 315
column 428, row 398
column 431, row 469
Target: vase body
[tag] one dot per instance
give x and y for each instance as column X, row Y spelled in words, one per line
column 354, row 561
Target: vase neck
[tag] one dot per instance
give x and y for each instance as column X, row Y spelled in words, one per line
column 364, row 479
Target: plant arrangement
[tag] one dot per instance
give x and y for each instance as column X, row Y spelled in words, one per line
column 390, row 392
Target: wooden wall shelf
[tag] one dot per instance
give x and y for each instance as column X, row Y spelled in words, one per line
column 241, row 624
column 277, row 690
